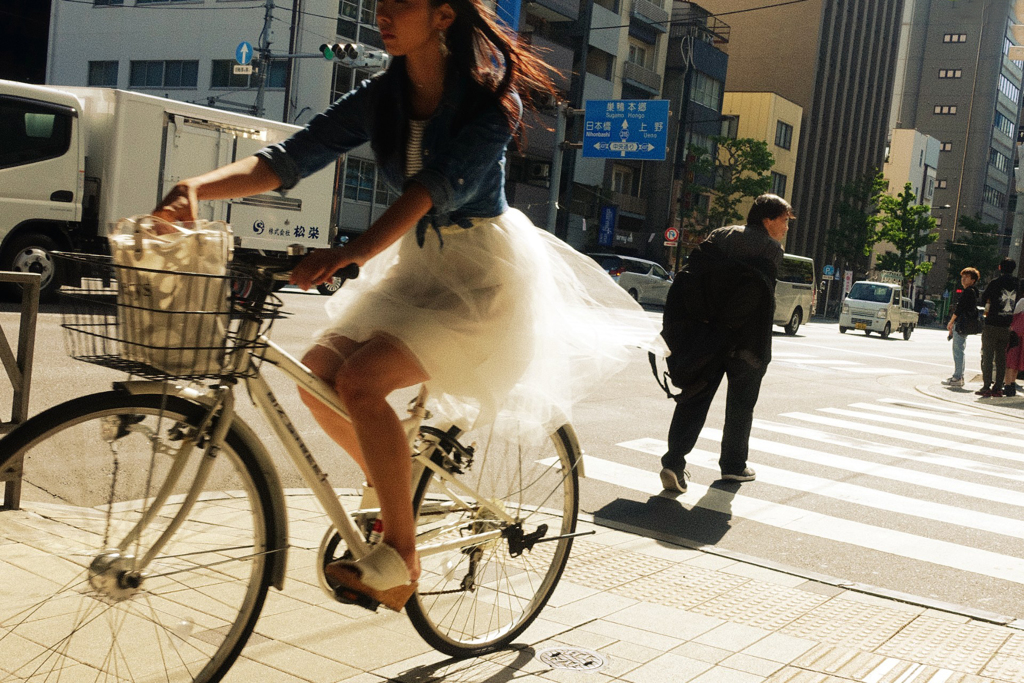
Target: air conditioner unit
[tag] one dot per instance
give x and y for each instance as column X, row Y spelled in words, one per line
column 539, row 171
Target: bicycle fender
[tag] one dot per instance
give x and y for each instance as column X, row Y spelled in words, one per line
column 573, row 446
column 277, row 535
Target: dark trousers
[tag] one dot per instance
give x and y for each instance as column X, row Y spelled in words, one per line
column 691, row 412
column 993, row 355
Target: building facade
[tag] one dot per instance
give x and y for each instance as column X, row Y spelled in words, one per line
column 962, row 88
column 836, row 59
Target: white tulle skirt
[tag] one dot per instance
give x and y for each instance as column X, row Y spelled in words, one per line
column 510, row 323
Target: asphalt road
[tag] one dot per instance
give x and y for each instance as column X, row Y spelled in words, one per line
column 861, row 475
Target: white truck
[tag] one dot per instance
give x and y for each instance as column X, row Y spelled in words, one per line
column 877, row 307
column 75, row 160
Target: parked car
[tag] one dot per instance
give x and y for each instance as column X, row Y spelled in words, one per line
column 646, row 281
column 794, row 292
column 878, row 307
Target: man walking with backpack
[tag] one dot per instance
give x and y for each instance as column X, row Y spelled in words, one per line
column 998, row 298
column 718, row 323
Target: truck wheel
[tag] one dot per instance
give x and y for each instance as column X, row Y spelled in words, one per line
column 885, row 332
column 635, row 294
column 794, row 323
column 33, row 253
column 842, row 330
column 907, row 329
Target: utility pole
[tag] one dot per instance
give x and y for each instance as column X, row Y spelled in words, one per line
column 264, row 60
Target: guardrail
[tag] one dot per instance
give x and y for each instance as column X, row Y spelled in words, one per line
column 19, row 372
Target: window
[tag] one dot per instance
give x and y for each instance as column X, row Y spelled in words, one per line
column 222, row 75
column 994, row 197
column 637, row 55
column 998, row 160
column 622, row 180
column 954, row 38
column 359, row 179
column 1007, row 44
column 706, row 91
column 778, row 184
column 33, row 131
column 950, row 73
column 1004, row 124
column 1009, row 89
column 107, row 2
column 945, row 109
column 783, row 135
column 103, row 74
column 345, row 79
column 169, row 74
column 941, row 184
column 946, row 147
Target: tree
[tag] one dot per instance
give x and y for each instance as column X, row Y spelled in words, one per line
column 739, row 170
column 908, row 227
column 978, row 247
column 851, row 237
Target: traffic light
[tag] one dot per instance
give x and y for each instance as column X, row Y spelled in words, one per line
column 354, row 54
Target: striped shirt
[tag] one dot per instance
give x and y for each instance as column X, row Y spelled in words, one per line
column 414, row 149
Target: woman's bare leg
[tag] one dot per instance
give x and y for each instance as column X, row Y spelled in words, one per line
column 325, row 363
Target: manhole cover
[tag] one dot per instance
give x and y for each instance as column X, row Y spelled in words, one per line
column 572, row 658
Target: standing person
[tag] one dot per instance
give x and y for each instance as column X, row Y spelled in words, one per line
column 963, row 322
column 1015, row 354
column 999, row 298
column 505, row 324
column 718, row 323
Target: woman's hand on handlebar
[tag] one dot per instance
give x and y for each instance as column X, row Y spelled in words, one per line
column 179, row 205
column 319, row 266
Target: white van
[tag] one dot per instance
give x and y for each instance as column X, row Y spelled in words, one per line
column 794, row 292
column 877, row 307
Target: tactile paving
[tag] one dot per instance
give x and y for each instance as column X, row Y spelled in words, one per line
column 765, row 605
column 854, row 624
column 959, row 646
column 607, row 568
column 681, row 586
column 791, row 675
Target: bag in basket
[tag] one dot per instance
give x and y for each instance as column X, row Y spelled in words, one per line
column 173, row 296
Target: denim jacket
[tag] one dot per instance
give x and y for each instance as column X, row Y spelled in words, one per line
column 463, row 166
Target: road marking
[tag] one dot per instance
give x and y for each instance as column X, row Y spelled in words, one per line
column 932, row 407
column 1011, row 473
column 861, row 495
column 846, row 352
column 922, row 439
column 926, row 415
column 946, row 429
column 798, row 520
column 815, row 361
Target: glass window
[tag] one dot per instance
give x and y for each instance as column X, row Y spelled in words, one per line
column 706, row 90
column 368, row 12
column 180, row 74
column 945, row 109
column 359, row 179
column 946, row 147
column 637, row 55
column 32, row 132
column 170, row 74
column 103, row 74
column 659, row 272
column 349, row 8
column 950, row 73
column 783, row 135
column 778, row 184
column 998, row 160
column 1004, row 124
column 1008, row 88
column 222, row 75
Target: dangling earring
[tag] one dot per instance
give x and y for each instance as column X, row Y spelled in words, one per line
column 444, row 43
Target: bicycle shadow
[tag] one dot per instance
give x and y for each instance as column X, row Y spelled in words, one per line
column 665, row 518
column 503, row 666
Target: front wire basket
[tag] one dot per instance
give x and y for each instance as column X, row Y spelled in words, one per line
column 158, row 324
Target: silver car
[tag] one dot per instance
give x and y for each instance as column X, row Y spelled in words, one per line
column 646, row 281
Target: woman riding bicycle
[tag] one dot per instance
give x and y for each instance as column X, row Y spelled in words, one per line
column 503, row 322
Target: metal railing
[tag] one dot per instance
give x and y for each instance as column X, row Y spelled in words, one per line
column 19, row 373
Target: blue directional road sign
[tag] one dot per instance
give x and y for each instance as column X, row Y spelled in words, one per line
column 626, row 129
column 243, row 53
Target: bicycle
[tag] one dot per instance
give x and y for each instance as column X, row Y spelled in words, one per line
column 153, row 522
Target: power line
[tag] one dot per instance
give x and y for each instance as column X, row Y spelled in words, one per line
column 162, row 5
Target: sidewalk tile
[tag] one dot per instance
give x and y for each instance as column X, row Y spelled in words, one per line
column 721, row 674
column 886, row 603
column 668, row 668
column 542, row 629
column 566, row 676
column 821, row 588
column 942, row 643
column 752, row 665
column 709, row 561
column 853, row 624
column 778, row 647
column 732, row 637
column 658, row 641
column 681, row 586
column 703, row 653
column 752, row 571
column 761, row 604
column 791, row 675
column 364, row 677
column 246, row 670
column 578, row 638
column 948, row 616
column 359, row 645
column 665, row 551
column 588, row 609
column 305, row 665
column 632, row 652
column 567, row 592
column 680, row 623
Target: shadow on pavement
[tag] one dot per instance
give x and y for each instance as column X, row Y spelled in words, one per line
column 705, row 523
column 498, row 667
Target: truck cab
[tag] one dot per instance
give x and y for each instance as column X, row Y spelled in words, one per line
column 877, row 307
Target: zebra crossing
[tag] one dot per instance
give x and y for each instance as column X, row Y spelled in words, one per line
column 923, row 481
column 805, row 361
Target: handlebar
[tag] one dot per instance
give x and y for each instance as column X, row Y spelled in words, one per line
column 280, row 267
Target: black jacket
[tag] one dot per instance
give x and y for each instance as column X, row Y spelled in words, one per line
column 1000, row 297
column 966, row 306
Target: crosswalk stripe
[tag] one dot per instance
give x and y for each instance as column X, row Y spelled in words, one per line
column 948, row 430
column 931, row 406
column 817, row 361
column 906, row 436
column 948, row 461
column 877, row 371
column 873, row 469
column 860, row 495
column 943, row 417
column 899, row 543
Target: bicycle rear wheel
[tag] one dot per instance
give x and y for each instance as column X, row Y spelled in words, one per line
column 476, row 599
column 76, row 607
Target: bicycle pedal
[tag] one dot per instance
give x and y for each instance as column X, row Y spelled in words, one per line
column 347, row 596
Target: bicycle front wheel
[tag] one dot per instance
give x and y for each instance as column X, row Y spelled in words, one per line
column 477, row 598
column 89, row 589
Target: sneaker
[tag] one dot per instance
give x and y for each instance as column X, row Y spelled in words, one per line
column 673, row 482
column 746, row 475
column 984, row 392
column 953, row 382
column 995, row 393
